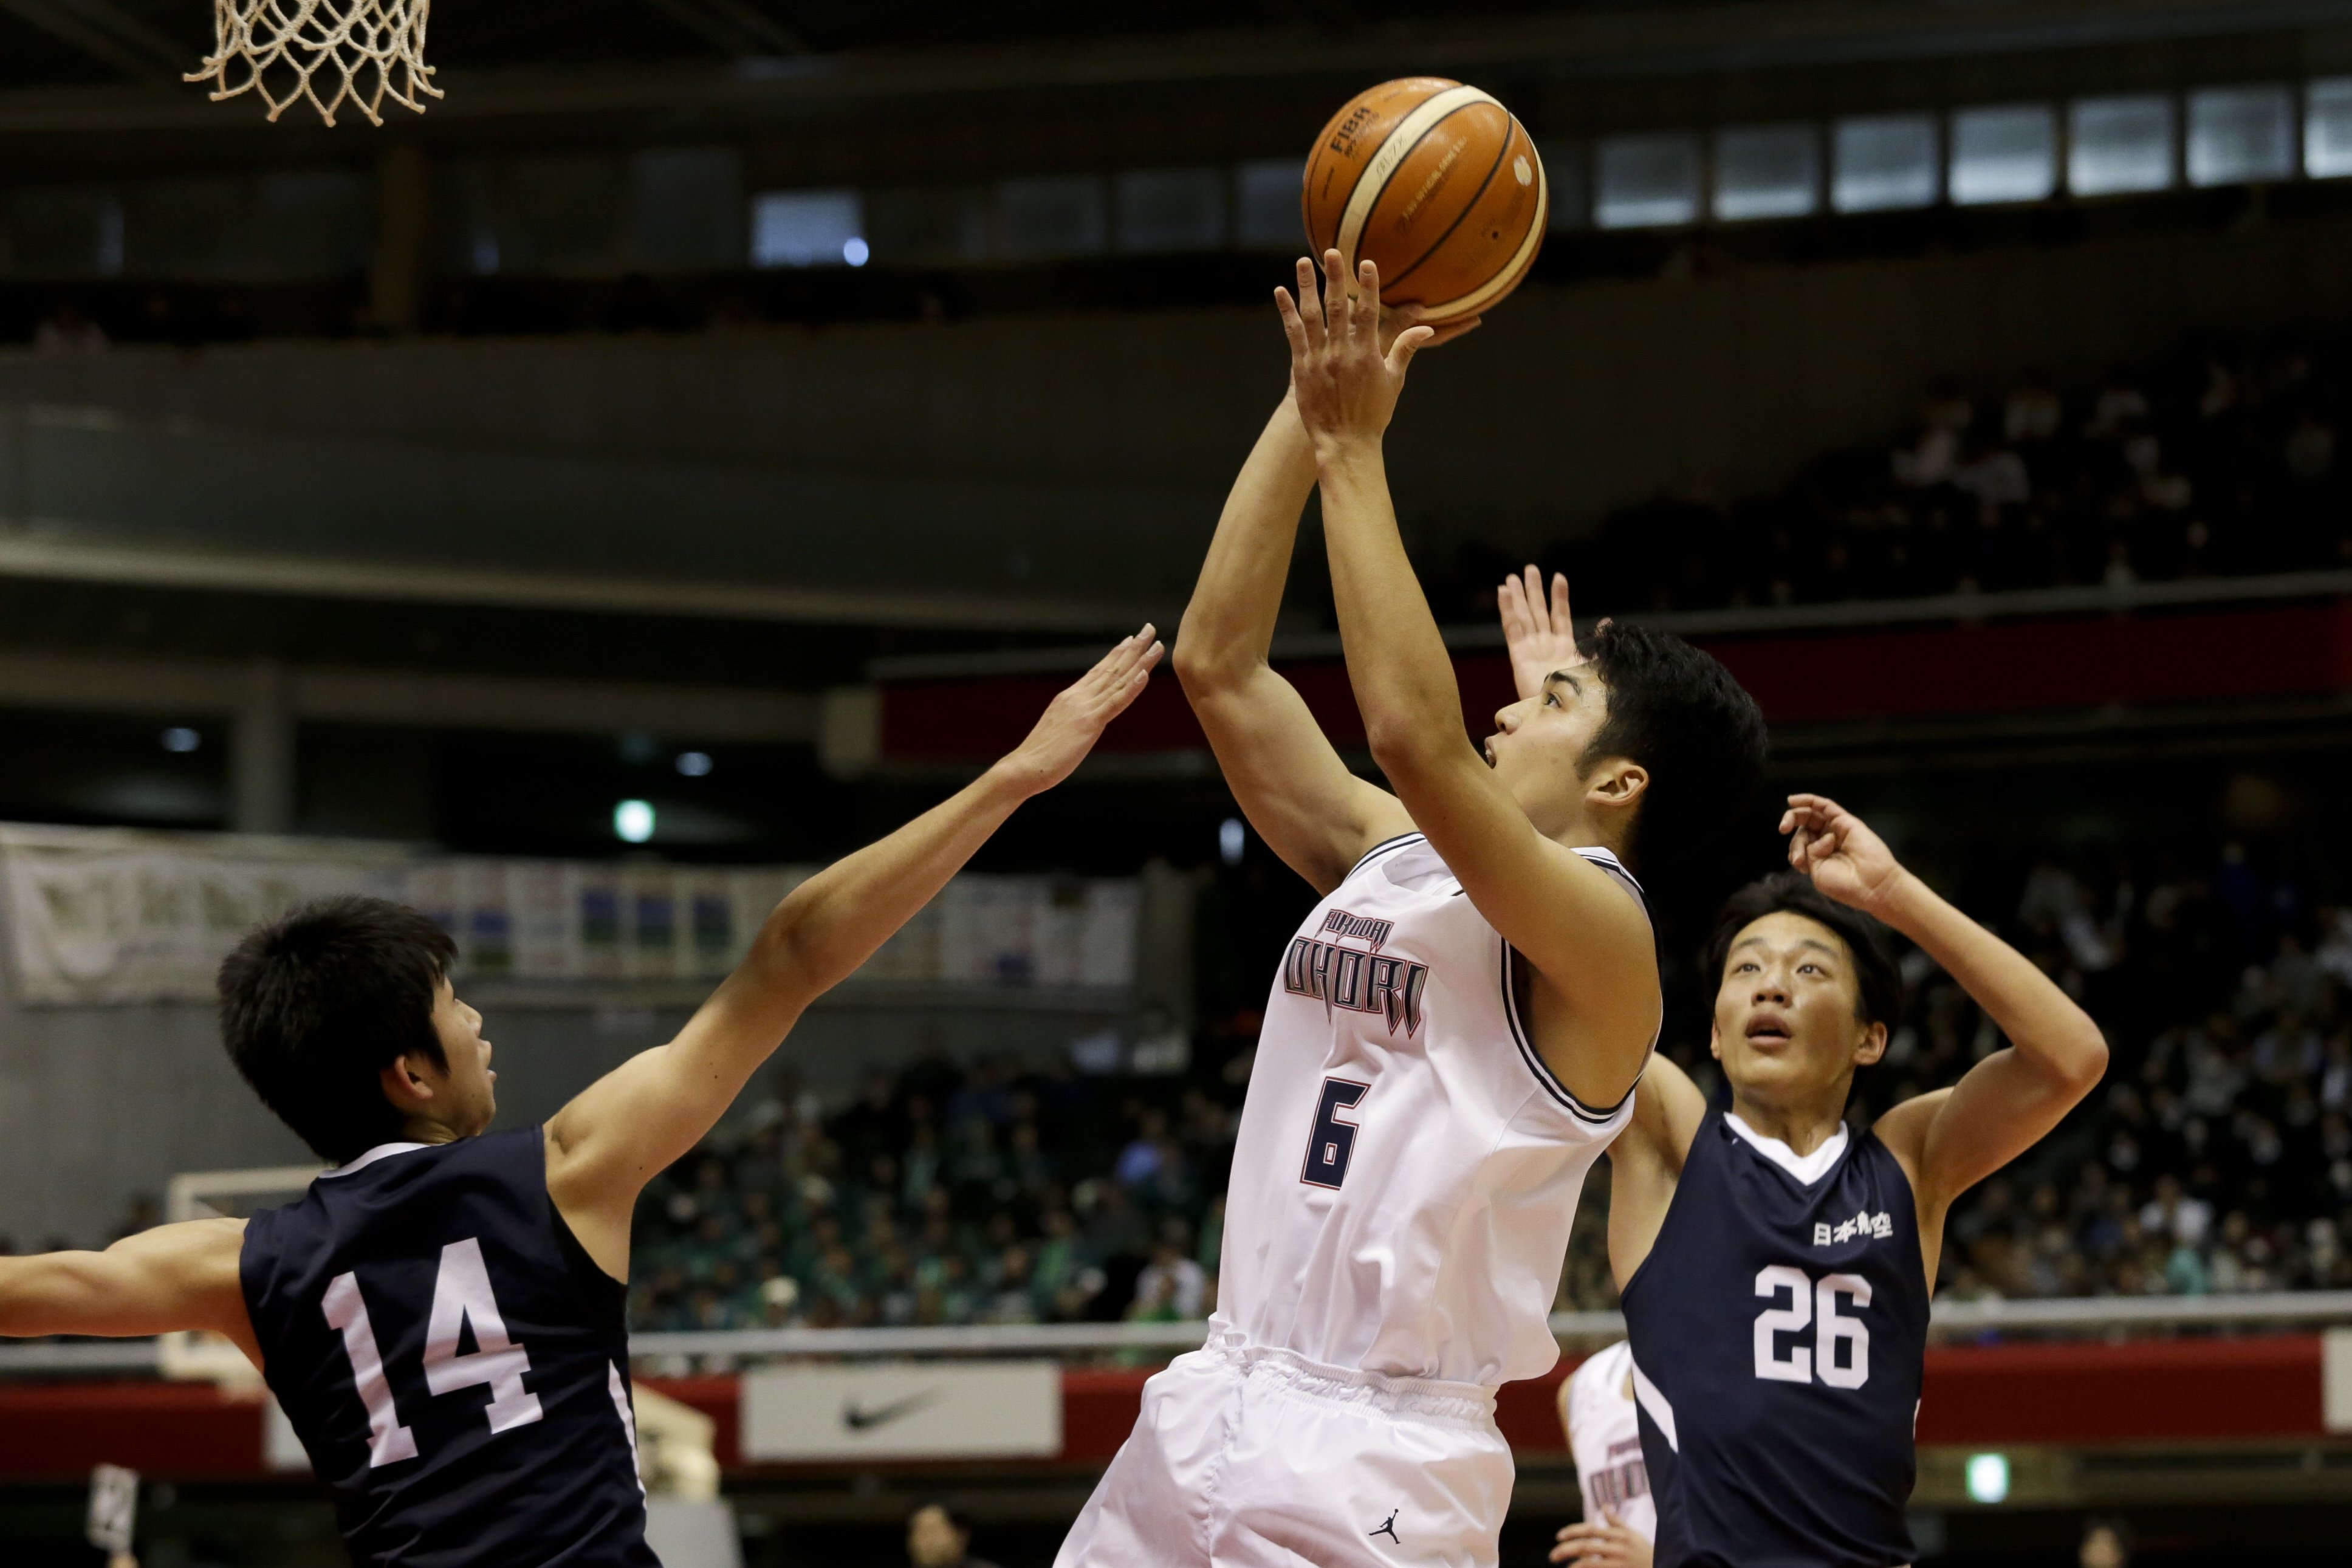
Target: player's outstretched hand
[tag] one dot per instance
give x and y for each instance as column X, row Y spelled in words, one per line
column 1540, row 637
column 1839, row 851
column 1345, row 382
column 1607, row 1544
column 1074, row 719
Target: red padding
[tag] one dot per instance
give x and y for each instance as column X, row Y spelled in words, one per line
column 2177, row 1390
column 1796, row 678
column 188, row 1430
column 2143, row 1391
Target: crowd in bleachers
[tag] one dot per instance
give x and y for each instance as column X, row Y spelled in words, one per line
column 2217, row 462
column 2216, row 1156
column 944, row 1195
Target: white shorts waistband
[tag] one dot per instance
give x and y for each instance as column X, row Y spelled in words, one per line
column 1470, row 1404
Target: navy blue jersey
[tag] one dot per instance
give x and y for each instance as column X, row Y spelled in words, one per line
column 454, row 1363
column 1779, row 1327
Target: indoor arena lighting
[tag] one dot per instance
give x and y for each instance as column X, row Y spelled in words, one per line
column 633, row 822
column 1988, row 1478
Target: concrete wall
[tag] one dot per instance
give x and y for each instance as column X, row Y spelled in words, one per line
column 1075, row 454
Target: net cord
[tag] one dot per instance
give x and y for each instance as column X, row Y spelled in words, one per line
column 370, row 50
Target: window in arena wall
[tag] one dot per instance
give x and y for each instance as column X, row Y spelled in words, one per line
column 1885, row 162
column 1567, row 171
column 1266, row 204
column 1051, row 215
column 808, row 228
column 2008, row 153
column 928, row 224
column 1767, row 172
column 2241, row 134
column 1647, row 181
column 2328, row 128
column 1168, row 209
column 2118, row 145
column 685, row 207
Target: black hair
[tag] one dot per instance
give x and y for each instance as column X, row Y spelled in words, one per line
column 316, row 1005
column 1678, row 713
column 1879, row 981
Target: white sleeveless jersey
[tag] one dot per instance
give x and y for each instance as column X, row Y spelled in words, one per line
column 1407, row 1167
column 1597, row 1407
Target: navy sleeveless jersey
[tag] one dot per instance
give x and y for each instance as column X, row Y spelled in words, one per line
column 1779, row 1328
column 454, row 1363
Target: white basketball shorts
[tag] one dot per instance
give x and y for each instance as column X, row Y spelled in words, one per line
column 1249, row 1458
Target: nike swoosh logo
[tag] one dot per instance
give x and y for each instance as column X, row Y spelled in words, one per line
column 858, row 1418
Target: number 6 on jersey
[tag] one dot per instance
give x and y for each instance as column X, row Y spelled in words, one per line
column 1332, row 1141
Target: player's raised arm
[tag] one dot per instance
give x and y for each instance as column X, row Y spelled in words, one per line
column 1288, row 779
column 1589, row 943
column 170, row 1277
column 1954, row 1138
column 609, row 1142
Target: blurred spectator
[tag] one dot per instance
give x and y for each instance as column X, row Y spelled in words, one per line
column 2211, row 463
column 939, row 1536
column 942, row 1195
column 65, row 331
column 2106, row 1544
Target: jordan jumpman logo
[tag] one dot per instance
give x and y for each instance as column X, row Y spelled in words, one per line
column 1388, row 1528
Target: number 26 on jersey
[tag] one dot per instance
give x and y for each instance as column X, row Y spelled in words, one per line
column 1840, row 1353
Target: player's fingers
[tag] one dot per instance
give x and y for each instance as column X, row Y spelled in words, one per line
column 1514, row 610
column 1409, row 342
column 1335, row 290
column 1293, row 324
column 1310, row 286
column 1560, row 615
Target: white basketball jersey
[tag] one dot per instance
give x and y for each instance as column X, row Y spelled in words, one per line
column 1407, row 1167
column 1597, row 1404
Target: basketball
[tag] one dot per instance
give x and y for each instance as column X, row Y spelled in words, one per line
column 1435, row 183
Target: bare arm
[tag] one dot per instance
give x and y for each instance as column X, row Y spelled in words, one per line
column 170, row 1277
column 1599, row 1002
column 1646, row 1162
column 1290, row 782
column 605, row 1145
column 1951, row 1140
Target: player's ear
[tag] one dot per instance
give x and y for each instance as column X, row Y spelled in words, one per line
column 403, row 1085
column 1871, row 1047
column 1715, row 1041
column 1617, row 782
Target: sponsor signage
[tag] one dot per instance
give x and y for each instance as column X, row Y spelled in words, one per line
column 904, row 1410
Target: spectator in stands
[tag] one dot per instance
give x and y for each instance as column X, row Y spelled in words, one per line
column 2212, row 463
column 2106, row 1544
column 65, row 331
column 942, row 1195
column 939, row 1536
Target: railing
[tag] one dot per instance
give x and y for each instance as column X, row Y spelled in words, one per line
column 725, row 1350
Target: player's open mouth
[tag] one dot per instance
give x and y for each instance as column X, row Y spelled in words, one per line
column 1486, row 751
column 1768, row 1029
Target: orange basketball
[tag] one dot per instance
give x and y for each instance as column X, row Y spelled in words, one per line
column 1436, row 183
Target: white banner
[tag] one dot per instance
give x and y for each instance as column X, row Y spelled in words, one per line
column 905, row 1410
column 113, row 916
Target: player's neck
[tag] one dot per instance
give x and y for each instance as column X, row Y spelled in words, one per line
column 1582, row 829
column 424, row 1129
column 1803, row 1128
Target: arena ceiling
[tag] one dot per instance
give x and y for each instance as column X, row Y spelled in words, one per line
column 99, row 44
column 89, row 42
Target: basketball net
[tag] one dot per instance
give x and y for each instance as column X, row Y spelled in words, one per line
column 331, row 52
